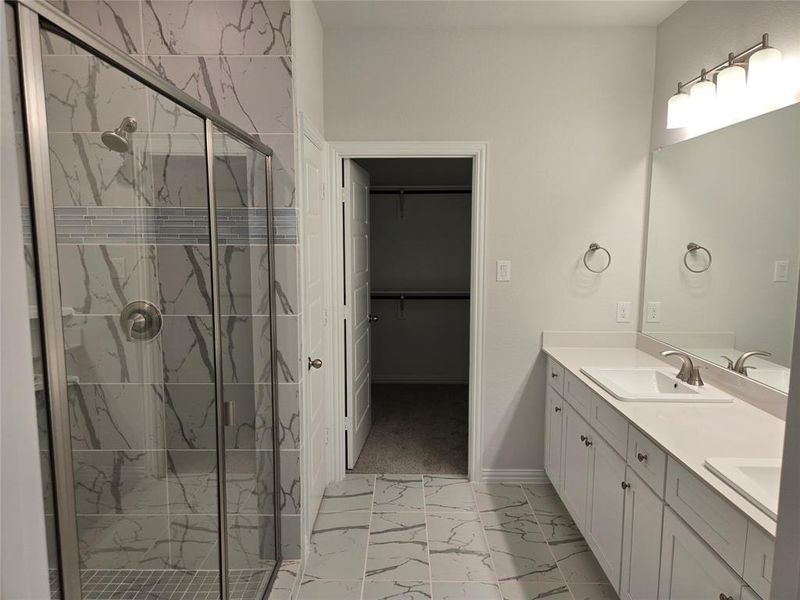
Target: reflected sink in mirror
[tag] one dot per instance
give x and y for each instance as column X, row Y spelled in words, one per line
column 651, row 384
column 757, row 479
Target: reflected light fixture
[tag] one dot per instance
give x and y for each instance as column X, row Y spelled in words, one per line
column 726, row 85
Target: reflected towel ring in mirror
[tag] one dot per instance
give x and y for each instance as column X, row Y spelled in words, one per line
column 594, row 247
column 693, row 247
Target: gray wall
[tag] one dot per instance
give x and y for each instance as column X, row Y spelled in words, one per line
column 567, row 116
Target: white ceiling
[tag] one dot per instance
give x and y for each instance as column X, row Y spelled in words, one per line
column 485, row 14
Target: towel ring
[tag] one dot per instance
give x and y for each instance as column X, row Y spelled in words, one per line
column 694, row 247
column 594, row 247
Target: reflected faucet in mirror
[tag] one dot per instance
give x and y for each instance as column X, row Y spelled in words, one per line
column 688, row 372
column 739, row 366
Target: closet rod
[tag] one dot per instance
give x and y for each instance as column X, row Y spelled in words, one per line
column 409, row 191
column 386, row 295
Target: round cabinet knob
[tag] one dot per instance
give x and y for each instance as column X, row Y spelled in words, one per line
column 625, row 485
column 558, row 409
column 554, row 375
column 724, row 596
column 584, row 438
column 588, row 442
column 373, row 318
column 315, row 363
column 641, row 457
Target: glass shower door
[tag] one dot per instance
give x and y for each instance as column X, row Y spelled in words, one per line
column 240, row 186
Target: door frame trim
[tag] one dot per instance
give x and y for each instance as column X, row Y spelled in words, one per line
column 478, row 152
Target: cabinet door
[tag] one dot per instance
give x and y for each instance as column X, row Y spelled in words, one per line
column 606, row 507
column 641, row 542
column 576, row 465
column 690, row 570
column 553, row 437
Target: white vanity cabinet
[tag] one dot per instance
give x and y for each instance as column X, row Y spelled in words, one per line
column 656, row 528
column 690, row 570
column 605, row 506
column 641, row 544
column 576, row 458
column 552, row 436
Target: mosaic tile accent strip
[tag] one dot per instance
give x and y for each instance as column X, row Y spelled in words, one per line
column 168, row 225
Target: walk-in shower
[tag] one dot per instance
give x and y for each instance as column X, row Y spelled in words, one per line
column 150, row 267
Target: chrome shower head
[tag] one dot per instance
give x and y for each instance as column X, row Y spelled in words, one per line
column 117, row 140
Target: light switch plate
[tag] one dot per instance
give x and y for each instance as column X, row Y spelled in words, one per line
column 653, row 312
column 623, row 312
column 503, row 270
column 780, row 273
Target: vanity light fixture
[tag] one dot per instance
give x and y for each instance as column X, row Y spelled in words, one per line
column 756, row 68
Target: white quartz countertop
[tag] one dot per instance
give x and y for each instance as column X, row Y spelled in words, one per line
column 688, row 432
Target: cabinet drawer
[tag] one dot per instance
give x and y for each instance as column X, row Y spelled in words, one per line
column 758, row 560
column 611, row 425
column 555, row 375
column 647, row 459
column 719, row 524
column 578, row 395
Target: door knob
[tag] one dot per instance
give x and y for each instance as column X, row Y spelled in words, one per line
column 315, row 363
column 373, row 318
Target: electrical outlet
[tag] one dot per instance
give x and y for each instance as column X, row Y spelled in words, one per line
column 780, row 273
column 653, row 312
column 623, row 312
column 503, row 270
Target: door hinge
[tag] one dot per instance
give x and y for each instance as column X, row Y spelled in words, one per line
column 346, row 312
column 348, row 424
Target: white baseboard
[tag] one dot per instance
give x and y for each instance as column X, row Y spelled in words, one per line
column 514, row 476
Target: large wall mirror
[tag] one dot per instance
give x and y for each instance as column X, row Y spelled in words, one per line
column 723, row 246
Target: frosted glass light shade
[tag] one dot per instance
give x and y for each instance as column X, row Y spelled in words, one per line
column 731, row 84
column 678, row 111
column 703, row 93
column 763, row 68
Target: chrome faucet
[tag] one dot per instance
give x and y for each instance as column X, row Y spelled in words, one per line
column 739, row 366
column 688, row 372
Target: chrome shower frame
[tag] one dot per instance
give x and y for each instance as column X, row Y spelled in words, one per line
column 32, row 17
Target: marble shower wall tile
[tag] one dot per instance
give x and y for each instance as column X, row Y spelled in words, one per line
column 290, row 537
column 192, row 481
column 116, row 416
column 122, row 542
column 255, row 93
column 176, row 161
column 120, row 482
column 117, row 22
column 244, row 279
column 251, row 541
column 101, row 279
column 184, row 279
column 188, row 349
column 282, row 167
column 190, row 416
column 287, row 298
column 290, row 482
column 98, row 352
column 249, row 27
column 85, row 94
column 86, row 173
column 250, row 481
column 289, row 412
column 192, row 540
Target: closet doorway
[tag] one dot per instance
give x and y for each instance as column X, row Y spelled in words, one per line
column 407, row 249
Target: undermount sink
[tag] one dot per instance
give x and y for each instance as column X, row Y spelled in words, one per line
column 651, row 384
column 757, row 479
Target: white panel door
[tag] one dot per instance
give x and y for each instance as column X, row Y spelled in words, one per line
column 317, row 331
column 357, row 298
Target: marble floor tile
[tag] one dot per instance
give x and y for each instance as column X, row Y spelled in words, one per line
column 396, row 590
column 398, row 493
column 353, row 493
column 320, row 589
column 518, row 548
column 576, row 561
column 445, row 493
column 501, row 497
column 469, row 590
column 457, row 547
column 544, row 499
column 398, row 547
column 532, row 590
column 338, row 546
column 585, row 591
